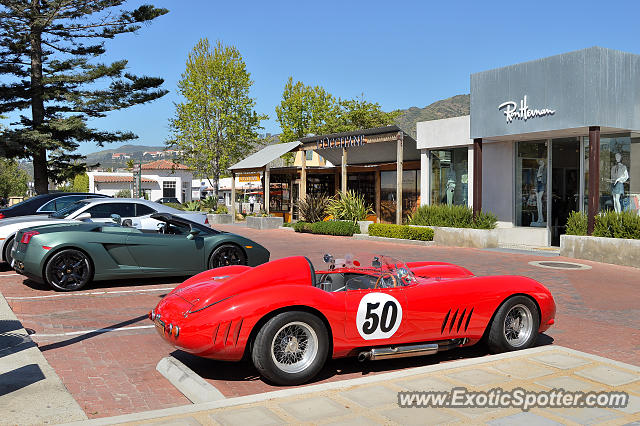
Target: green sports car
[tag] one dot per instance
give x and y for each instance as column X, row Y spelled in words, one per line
column 68, row 256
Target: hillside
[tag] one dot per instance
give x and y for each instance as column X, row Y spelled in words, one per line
column 446, row 108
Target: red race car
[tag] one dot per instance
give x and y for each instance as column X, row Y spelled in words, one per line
column 288, row 317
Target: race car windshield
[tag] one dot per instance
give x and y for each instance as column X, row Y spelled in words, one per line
column 67, row 210
column 369, row 263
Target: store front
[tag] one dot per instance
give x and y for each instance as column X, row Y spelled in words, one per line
column 368, row 162
column 535, row 131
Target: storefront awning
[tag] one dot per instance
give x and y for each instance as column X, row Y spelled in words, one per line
column 263, row 157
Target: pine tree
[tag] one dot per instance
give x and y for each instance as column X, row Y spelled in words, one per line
column 48, row 50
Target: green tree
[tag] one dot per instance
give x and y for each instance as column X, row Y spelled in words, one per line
column 130, row 164
column 356, row 114
column 13, row 180
column 81, row 183
column 48, row 50
column 303, row 110
column 216, row 125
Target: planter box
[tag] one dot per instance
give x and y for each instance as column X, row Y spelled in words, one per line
column 465, row 237
column 618, row 251
column 364, row 226
column 257, row 222
column 219, row 219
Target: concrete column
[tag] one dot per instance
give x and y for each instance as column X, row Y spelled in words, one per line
column 303, row 176
column 291, row 183
column 344, row 170
column 267, row 192
column 399, row 159
column 594, row 177
column 233, row 197
column 470, row 155
column 425, row 177
column 477, row 176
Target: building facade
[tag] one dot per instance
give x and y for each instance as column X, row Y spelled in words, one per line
column 545, row 138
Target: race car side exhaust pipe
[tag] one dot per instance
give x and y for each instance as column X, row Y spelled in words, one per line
column 398, row 352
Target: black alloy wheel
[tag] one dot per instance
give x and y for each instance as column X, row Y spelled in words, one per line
column 227, row 255
column 68, row 270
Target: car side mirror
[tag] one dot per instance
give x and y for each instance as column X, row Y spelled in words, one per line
column 83, row 216
column 192, row 234
column 116, row 218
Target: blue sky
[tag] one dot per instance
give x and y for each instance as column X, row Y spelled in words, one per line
column 399, row 54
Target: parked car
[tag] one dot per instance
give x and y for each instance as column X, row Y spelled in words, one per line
column 288, row 318
column 68, row 256
column 45, row 204
column 165, row 200
column 135, row 211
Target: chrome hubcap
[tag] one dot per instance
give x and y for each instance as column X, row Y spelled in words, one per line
column 294, row 347
column 518, row 325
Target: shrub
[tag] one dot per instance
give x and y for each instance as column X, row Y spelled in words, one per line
column 349, row 206
column 209, row 202
column 288, row 224
column 192, row 206
column 313, row 208
column 302, row 226
column 335, row 227
column 577, row 224
column 175, row 205
column 401, row 231
column 222, row 209
column 607, row 224
column 123, row 193
column 452, row 216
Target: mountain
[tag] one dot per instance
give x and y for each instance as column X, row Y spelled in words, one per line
column 446, row 108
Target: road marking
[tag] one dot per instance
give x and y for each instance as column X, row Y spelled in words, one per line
column 93, row 293
column 8, row 275
column 97, row 330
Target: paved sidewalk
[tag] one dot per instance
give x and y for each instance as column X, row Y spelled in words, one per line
column 30, row 390
column 374, row 400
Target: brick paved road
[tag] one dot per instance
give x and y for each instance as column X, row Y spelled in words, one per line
column 112, row 373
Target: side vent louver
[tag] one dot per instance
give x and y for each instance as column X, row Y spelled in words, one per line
column 452, row 322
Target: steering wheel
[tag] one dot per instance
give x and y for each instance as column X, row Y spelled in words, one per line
column 381, row 277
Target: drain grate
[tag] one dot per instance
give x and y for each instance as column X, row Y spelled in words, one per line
column 559, row 265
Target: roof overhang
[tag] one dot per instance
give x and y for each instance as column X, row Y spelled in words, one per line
column 262, row 158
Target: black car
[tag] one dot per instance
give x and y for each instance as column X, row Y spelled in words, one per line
column 170, row 200
column 45, row 203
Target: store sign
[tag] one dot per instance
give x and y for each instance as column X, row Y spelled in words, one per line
column 512, row 112
column 249, row 178
column 342, row 142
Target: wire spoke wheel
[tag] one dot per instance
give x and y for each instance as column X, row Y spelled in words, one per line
column 294, row 347
column 68, row 270
column 227, row 255
column 518, row 325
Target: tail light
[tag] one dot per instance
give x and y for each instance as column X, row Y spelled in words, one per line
column 26, row 237
column 1, row 215
column 206, row 220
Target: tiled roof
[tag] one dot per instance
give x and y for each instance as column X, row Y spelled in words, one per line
column 113, row 179
column 164, row 165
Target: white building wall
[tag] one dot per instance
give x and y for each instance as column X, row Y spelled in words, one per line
column 155, row 188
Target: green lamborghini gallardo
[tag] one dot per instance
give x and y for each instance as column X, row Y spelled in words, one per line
column 68, row 256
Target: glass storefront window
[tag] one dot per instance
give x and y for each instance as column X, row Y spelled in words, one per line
column 323, row 184
column 364, row 184
column 449, row 176
column 619, row 186
column 531, row 183
column 410, row 194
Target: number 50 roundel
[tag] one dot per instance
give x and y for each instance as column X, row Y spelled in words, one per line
column 379, row 316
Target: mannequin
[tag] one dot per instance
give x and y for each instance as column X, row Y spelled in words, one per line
column 451, row 185
column 464, row 180
column 619, row 175
column 541, row 185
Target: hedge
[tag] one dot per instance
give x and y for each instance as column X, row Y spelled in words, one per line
column 452, row 216
column 607, row 224
column 400, row 231
column 335, row 227
column 302, row 227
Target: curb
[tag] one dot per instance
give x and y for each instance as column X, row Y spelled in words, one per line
column 194, row 387
column 392, row 240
